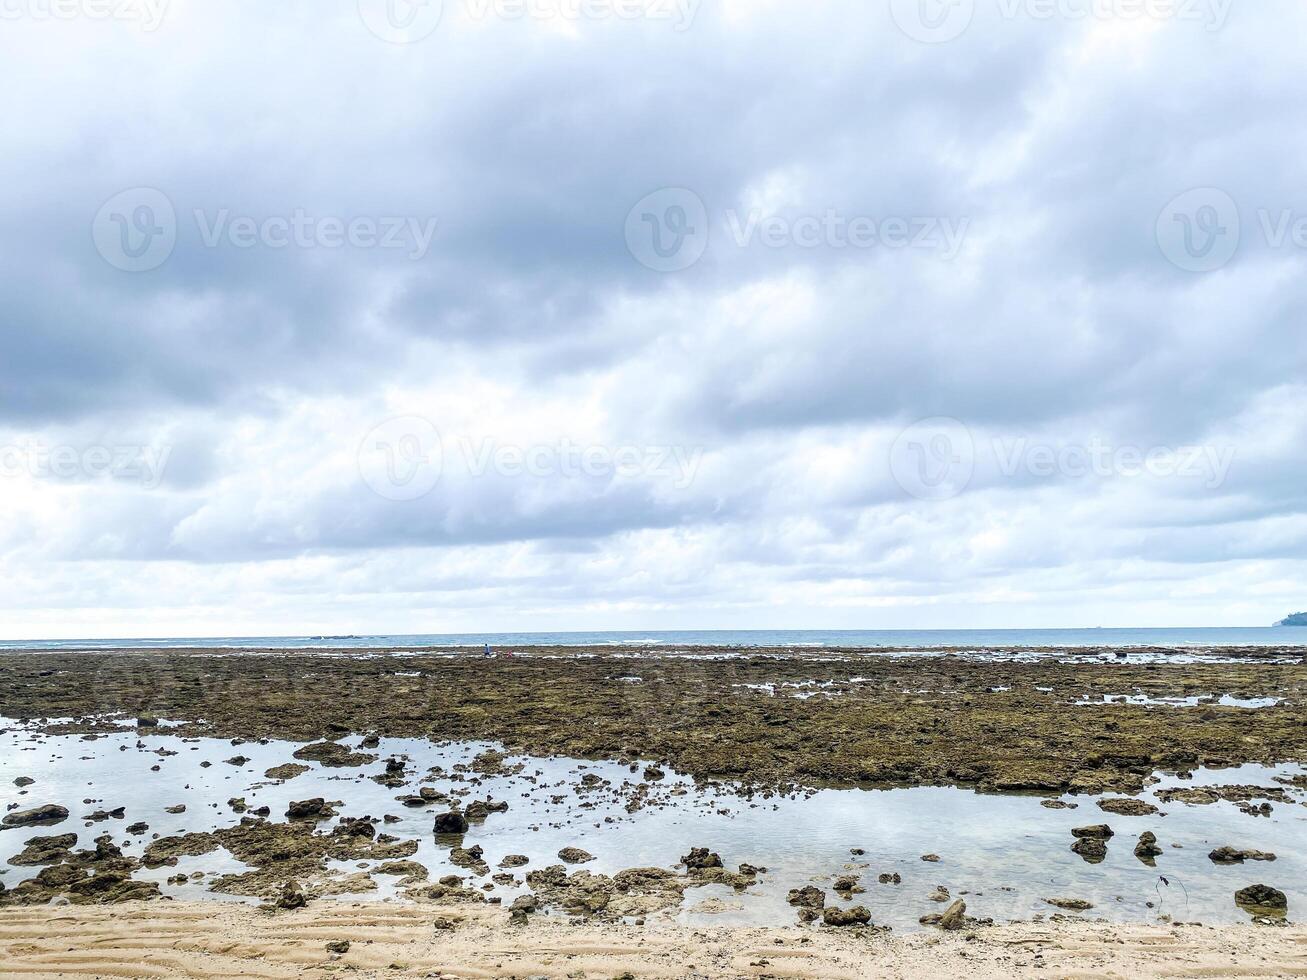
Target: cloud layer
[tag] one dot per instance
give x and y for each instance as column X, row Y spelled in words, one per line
column 344, row 317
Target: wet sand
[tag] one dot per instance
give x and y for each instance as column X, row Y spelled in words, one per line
column 167, row 939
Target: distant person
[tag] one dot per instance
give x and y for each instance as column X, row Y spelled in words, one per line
column 489, row 652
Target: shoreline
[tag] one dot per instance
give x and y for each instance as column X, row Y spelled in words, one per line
column 178, row 939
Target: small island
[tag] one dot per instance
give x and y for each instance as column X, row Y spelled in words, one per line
column 1294, row 619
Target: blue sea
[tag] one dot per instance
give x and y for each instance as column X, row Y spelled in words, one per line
column 887, row 639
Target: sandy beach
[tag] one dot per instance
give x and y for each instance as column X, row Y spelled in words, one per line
column 214, row 941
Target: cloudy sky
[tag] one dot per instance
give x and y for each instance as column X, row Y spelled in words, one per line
column 597, row 314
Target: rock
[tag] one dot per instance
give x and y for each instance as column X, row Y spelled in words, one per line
column 856, row 916
column 1070, row 904
column 848, row 884
column 1098, row 831
column 441, row 924
column 237, row 761
column 932, row 858
column 1126, row 807
column 890, row 878
column 1092, row 849
column 314, row 809
column 1147, row 848
column 471, row 858
column 521, row 907
column 1230, row 855
column 1058, row 805
column 22, row 781
column 370, row 741
column 653, row 773
column 338, row 946
column 480, row 809
column 287, row 770
column 514, row 861
column 333, row 755
column 44, row 850
column 940, row 894
column 147, row 722
column 177, row 808
column 575, row 855
column 857, row 851
column 954, row 916
column 139, row 827
column 1261, row 897
column 47, row 814
column 452, row 822
column 291, row 897
column 701, row 857
column 807, row 897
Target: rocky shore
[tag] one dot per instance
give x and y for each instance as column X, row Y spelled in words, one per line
column 770, row 719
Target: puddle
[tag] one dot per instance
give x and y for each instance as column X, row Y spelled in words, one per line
column 1003, row 853
column 1193, row 701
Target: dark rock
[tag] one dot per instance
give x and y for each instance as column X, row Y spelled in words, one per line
column 291, row 897
column 1126, row 807
column 338, row 946
column 452, row 822
column 1230, row 855
column 1261, row 897
column 1147, row 848
column 22, row 781
column 808, row 897
column 575, row 855
column 1098, row 831
column 44, row 850
column 1070, row 904
column 314, row 809
column 701, row 857
column 954, row 916
column 1092, row 849
column 47, row 814
column 856, row 916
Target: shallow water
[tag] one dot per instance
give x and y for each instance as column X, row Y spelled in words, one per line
column 1003, row 853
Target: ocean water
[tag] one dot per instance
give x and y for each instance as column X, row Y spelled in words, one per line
column 1196, row 637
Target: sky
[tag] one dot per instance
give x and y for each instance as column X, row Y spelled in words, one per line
column 342, row 316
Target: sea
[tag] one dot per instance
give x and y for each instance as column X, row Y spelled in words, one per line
column 1197, row 637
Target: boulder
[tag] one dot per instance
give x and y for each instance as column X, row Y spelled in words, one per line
column 1261, row 897
column 856, row 916
column 452, row 822
column 46, row 814
column 701, row 857
column 807, row 897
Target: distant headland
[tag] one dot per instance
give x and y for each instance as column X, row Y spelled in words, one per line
column 1295, row 619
